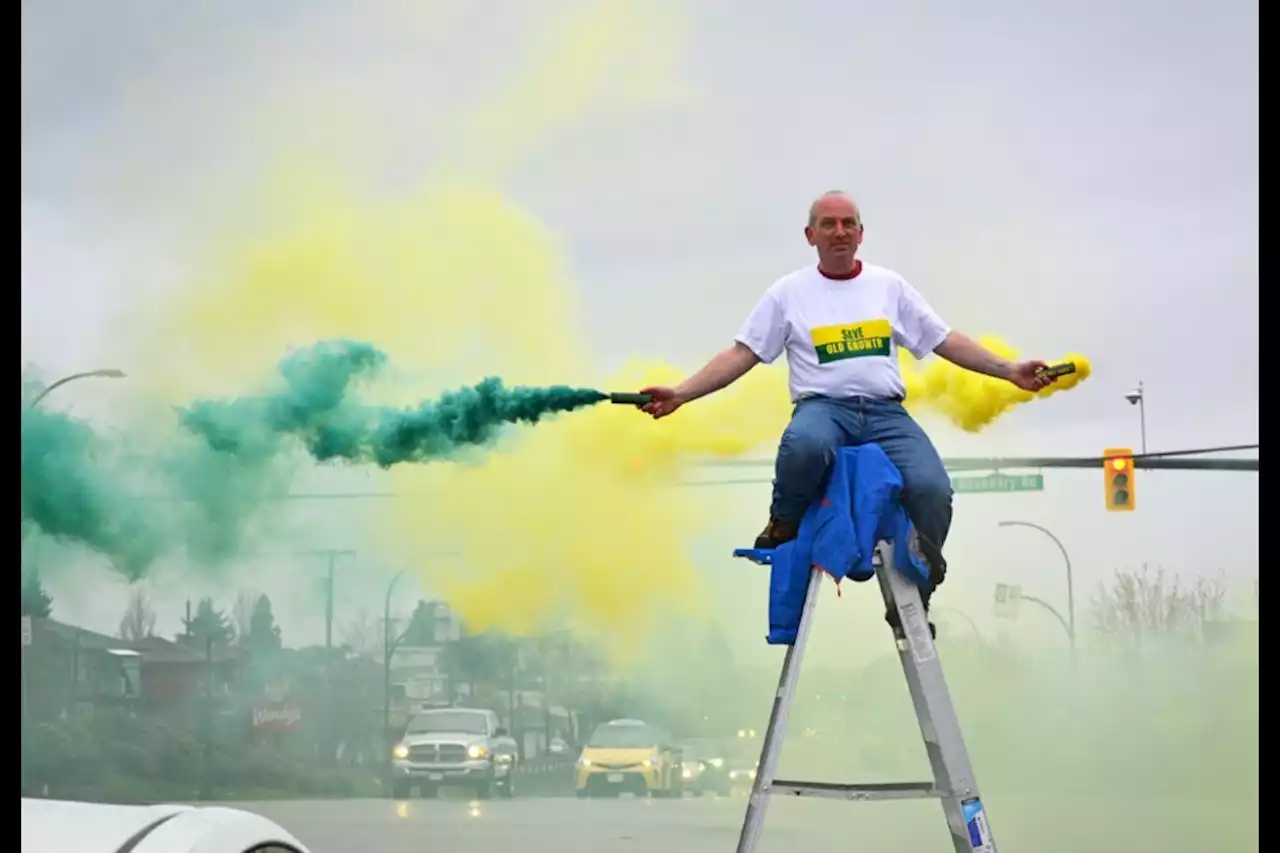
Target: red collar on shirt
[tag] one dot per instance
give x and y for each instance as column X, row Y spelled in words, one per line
column 857, row 268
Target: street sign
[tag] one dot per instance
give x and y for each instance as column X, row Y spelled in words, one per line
column 26, row 630
column 1008, row 597
column 998, row 483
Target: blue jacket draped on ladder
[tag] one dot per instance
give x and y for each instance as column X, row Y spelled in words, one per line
column 839, row 534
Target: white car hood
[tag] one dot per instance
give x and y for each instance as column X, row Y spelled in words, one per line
column 61, row 826
column 443, row 737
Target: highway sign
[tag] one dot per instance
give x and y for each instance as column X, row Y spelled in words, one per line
column 1008, row 597
column 998, row 483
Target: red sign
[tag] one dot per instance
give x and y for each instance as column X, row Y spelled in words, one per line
column 276, row 716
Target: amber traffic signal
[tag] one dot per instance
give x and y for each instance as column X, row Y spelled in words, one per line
column 1118, row 473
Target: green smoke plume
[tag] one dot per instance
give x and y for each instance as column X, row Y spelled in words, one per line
column 315, row 407
column 205, row 489
column 71, row 492
column 135, row 504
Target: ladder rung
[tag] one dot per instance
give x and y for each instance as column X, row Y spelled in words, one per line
column 871, row 791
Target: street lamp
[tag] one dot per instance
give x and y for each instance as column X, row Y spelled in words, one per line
column 1137, row 397
column 1071, row 595
column 388, row 647
column 109, row 373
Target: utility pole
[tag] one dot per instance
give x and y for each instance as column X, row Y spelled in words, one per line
column 328, row 661
column 512, row 696
column 1138, row 397
column 206, row 781
column 389, row 644
column 332, row 556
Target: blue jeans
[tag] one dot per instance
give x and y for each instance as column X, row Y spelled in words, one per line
column 821, row 425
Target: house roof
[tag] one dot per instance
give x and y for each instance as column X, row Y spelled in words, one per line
column 160, row 650
column 149, row 649
column 45, row 630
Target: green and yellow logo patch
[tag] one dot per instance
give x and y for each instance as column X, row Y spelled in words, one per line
column 834, row 343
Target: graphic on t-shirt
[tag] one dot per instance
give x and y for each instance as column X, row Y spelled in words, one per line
column 835, row 343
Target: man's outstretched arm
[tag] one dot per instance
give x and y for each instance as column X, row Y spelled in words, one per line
column 963, row 351
column 724, row 368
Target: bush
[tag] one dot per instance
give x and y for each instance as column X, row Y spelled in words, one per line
column 243, row 765
column 128, row 790
column 131, row 759
column 179, row 757
column 62, row 753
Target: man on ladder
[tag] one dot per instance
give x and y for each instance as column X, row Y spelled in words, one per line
column 840, row 324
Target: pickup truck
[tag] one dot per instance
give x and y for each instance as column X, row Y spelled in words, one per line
column 454, row 747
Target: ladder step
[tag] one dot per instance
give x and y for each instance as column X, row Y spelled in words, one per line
column 871, row 791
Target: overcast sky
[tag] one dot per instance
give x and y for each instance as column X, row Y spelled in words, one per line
column 1073, row 177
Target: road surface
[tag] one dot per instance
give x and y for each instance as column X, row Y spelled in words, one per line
column 708, row 825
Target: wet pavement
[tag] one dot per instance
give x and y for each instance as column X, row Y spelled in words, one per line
column 705, row 825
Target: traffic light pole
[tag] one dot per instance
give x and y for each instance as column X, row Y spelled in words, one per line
column 1165, row 459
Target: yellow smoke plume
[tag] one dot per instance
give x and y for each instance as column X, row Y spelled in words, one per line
column 972, row 401
column 578, row 520
column 583, row 518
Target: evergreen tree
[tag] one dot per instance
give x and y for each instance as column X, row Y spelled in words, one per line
column 209, row 623
column 264, row 633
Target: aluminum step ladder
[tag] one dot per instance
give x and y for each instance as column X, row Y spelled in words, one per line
column 953, row 782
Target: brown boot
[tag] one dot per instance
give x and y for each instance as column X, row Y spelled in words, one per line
column 776, row 533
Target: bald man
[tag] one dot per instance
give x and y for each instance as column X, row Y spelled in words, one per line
column 840, row 324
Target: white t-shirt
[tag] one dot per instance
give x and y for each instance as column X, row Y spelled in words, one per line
column 841, row 336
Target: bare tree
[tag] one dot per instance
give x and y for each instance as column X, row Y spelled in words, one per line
column 363, row 635
column 242, row 613
column 139, row 620
column 1143, row 603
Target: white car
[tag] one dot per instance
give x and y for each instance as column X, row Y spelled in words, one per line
column 462, row 747
column 61, row 826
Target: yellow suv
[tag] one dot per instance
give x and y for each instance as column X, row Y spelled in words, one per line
column 629, row 756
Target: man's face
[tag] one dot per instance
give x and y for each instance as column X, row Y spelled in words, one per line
column 836, row 231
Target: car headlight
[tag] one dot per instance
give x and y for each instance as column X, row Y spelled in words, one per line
column 477, row 751
column 400, row 751
column 716, row 762
column 648, row 762
column 687, row 773
column 584, row 761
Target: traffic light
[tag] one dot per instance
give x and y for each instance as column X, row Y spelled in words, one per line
column 1118, row 472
